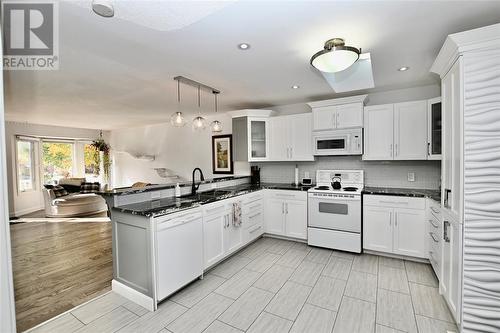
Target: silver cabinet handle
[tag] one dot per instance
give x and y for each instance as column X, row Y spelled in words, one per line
column 431, row 221
column 445, row 231
column 434, row 238
column 396, row 150
column 287, row 152
column 390, row 150
column 390, row 219
column 428, row 149
column 447, row 192
column 435, row 210
column 225, row 217
column 395, row 219
column 394, row 202
column 286, row 208
column 291, row 152
column 282, row 208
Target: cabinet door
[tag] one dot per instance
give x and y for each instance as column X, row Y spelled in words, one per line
column 300, row 137
column 233, row 235
column 377, row 228
column 455, row 261
column 349, row 115
column 324, row 118
column 258, row 141
column 410, row 131
column 409, row 232
column 275, row 213
column 378, row 136
column 296, row 219
column 434, row 128
column 279, row 149
column 213, row 236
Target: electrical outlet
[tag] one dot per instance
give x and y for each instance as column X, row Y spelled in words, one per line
column 411, row 176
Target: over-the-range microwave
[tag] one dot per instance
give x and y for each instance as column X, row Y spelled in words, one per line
column 338, row 142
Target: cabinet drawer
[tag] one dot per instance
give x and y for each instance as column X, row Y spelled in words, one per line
column 393, row 201
column 252, row 197
column 253, row 218
column 434, row 225
column 252, row 233
column 287, row 195
column 434, row 209
column 252, row 207
column 215, row 208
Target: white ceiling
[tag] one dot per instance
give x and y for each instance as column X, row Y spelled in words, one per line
column 117, row 72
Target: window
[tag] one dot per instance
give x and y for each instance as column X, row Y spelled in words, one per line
column 25, row 165
column 57, row 160
column 91, row 161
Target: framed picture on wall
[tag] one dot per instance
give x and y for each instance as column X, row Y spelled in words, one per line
column 222, row 154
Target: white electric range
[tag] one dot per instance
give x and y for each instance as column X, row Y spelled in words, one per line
column 334, row 215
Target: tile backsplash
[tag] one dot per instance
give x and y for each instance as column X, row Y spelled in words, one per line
column 377, row 173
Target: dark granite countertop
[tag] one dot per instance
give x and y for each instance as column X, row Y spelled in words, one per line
column 406, row 192
column 159, row 207
column 155, row 187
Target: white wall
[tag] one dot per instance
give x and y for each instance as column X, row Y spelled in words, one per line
column 178, row 149
column 23, row 203
column 181, row 149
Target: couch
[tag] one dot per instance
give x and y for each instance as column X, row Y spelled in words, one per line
column 74, row 204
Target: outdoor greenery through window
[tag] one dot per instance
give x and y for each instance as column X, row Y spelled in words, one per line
column 91, row 159
column 26, row 165
column 57, row 161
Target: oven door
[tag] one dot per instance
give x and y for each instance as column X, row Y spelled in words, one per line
column 331, row 145
column 343, row 214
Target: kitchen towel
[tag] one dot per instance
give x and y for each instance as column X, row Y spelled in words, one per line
column 237, row 213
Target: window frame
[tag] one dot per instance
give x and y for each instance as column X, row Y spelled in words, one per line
column 33, row 157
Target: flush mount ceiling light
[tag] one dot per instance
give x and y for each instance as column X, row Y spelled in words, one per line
column 177, row 119
column 243, row 46
column 335, row 56
column 103, row 8
column 403, row 69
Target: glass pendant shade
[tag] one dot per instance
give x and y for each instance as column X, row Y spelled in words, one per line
column 335, row 57
column 199, row 123
column 177, row 120
column 216, row 126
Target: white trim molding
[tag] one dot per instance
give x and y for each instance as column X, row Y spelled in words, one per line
column 133, row 295
column 339, row 101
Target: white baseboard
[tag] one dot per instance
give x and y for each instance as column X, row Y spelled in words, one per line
column 133, row 295
column 18, row 213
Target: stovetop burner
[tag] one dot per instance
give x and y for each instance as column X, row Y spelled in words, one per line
column 322, row 188
column 350, row 189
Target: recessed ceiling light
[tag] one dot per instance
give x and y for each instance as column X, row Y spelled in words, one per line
column 295, row 86
column 243, row 46
column 103, row 8
column 404, row 68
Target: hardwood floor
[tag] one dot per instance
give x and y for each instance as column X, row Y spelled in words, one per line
column 57, row 266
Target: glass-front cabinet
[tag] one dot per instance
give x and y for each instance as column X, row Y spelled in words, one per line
column 434, row 129
column 258, row 138
column 251, row 139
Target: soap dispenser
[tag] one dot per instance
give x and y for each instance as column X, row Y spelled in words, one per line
column 177, row 190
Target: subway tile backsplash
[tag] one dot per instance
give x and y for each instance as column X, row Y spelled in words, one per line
column 377, row 173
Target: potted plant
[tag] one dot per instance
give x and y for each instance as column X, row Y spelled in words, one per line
column 103, row 148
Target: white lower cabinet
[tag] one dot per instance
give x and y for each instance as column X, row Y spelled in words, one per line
column 394, row 224
column 286, row 213
column 220, row 236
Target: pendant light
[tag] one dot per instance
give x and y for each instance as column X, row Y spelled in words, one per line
column 199, row 122
column 216, row 125
column 177, row 119
column 335, row 56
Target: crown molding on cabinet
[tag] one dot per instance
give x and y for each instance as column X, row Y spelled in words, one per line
column 251, row 113
column 456, row 44
column 339, row 101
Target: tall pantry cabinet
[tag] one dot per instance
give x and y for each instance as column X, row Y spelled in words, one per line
column 469, row 67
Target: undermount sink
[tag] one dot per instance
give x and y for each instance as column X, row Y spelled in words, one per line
column 205, row 196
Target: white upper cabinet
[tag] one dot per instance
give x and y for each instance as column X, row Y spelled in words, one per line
column 434, row 128
column 379, row 132
column 396, row 131
column 290, row 138
column 349, row 115
column 251, row 139
column 338, row 113
column 410, row 131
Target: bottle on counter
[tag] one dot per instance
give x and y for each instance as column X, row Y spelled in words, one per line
column 177, row 190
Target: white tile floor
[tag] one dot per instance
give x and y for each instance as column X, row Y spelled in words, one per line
column 281, row 286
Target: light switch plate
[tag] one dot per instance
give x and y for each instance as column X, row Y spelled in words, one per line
column 411, row 176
